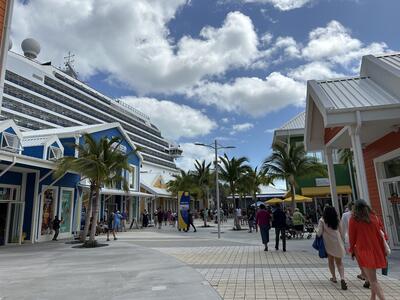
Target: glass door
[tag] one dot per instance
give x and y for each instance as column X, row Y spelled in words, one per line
column 392, row 196
column 11, row 215
column 3, row 222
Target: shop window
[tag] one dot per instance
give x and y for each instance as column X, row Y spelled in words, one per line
column 10, row 142
column 392, row 167
column 132, row 178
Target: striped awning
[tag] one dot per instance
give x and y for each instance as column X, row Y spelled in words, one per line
column 324, row 190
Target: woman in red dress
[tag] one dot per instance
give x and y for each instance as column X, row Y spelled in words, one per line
column 366, row 236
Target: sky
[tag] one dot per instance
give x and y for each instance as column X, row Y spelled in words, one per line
column 232, row 70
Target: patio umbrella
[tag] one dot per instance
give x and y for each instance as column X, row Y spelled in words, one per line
column 274, row 201
column 298, row 199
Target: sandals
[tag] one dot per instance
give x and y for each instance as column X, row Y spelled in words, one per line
column 366, row 284
column 333, row 280
column 360, row 277
column 343, row 285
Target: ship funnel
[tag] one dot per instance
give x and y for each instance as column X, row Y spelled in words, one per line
column 31, row 48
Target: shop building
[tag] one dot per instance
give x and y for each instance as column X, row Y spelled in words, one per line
column 30, row 196
column 362, row 113
column 316, row 186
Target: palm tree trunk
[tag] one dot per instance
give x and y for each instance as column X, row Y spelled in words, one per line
column 293, row 191
column 88, row 213
column 95, row 213
column 205, row 217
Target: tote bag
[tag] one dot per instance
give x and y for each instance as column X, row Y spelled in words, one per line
column 319, row 245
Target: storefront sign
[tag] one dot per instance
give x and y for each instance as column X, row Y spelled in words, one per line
column 183, row 212
column 322, row 182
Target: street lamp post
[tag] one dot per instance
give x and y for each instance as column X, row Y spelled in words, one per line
column 216, row 147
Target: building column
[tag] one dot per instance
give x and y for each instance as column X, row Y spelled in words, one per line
column 332, row 178
column 359, row 163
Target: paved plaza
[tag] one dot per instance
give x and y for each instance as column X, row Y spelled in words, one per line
column 167, row 264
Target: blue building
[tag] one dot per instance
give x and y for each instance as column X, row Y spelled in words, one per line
column 30, row 195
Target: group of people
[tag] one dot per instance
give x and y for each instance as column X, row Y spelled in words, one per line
column 160, row 217
column 265, row 218
column 359, row 233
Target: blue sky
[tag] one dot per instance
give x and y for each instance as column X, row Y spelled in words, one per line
column 231, row 69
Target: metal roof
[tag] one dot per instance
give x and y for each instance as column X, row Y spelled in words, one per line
column 391, row 59
column 298, row 122
column 357, row 92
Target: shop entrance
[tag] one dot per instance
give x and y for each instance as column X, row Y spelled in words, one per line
column 392, row 199
column 11, row 215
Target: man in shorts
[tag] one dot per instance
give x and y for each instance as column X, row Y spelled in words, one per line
column 110, row 226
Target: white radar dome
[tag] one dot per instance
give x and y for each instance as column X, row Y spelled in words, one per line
column 31, row 48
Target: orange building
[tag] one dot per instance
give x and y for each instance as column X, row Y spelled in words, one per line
column 362, row 113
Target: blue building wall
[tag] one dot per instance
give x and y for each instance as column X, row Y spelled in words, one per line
column 68, row 144
column 35, row 151
column 29, row 199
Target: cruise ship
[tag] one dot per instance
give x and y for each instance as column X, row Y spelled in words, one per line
column 38, row 95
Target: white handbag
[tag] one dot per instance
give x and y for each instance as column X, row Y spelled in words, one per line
column 385, row 244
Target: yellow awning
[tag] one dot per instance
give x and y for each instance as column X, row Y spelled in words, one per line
column 324, row 190
column 274, row 201
column 298, row 199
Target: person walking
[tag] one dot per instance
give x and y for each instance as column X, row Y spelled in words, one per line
column 160, row 217
column 263, row 221
column 124, row 217
column 155, row 217
column 298, row 222
column 367, row 239
column 331, row 231
column 56, row 227
column 345, row 226
column 117, row 221
column 145, row 219
column 111, row 227
column 251, row 219
column 279, row 222
column 190, row 214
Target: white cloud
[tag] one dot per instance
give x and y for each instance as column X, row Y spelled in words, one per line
column 241, row 127
column 270, row 130
column 191, row 152
column 130, row 42
column 334, row 43
column 225, row 120
column 281, row 4
column 252, row 96
column 314, row 70
column 174, row 120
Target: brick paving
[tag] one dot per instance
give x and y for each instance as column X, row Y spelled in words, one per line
column 247, row 272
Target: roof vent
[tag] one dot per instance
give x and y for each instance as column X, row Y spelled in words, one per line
column 31, row 48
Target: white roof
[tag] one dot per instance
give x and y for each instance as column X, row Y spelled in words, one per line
column 354, row 93
column 270, row 190
column 77, row 130
column 392, row 59
column 298, row 122
column 147, row 180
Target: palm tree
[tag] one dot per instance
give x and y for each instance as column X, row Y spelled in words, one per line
column 290, row 163
column 255, row 178
column 202, row 176
column 232, row 170
column 181, row 182
column 346, row 158
column 102, row 163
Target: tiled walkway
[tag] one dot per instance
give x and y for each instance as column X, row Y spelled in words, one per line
column 247, row 272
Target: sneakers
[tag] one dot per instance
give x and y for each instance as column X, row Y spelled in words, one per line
column 108, row 240
column 266, row 248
